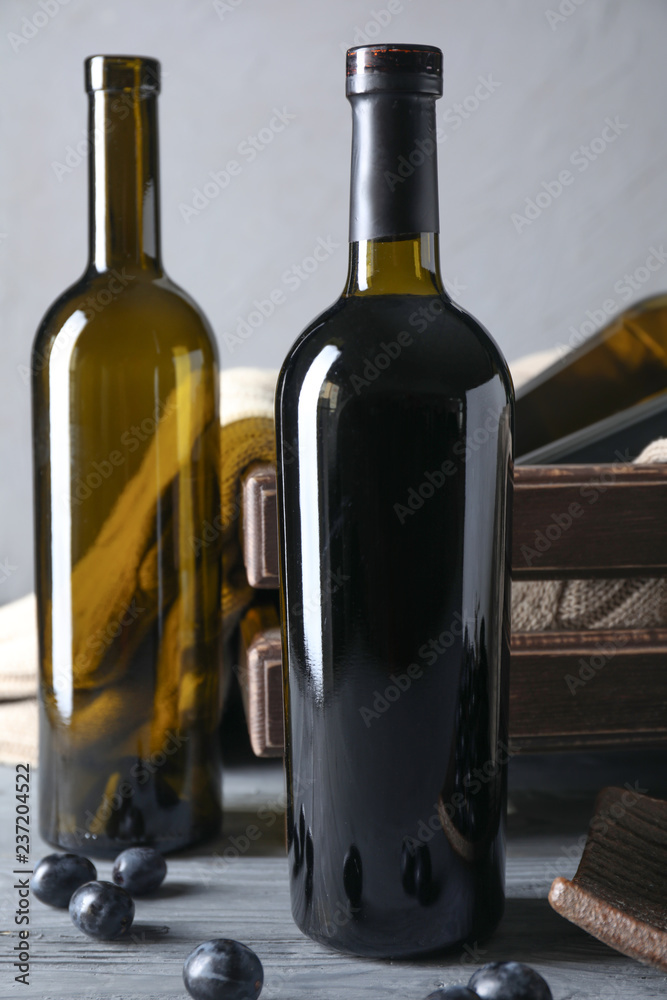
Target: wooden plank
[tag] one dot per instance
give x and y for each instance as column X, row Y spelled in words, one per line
column 228, row 889
column 581, row 521
column 596, row 689
column 572, row 522
column 261, row 680
column 260, row 526
column 618, row 891
column 568, row 690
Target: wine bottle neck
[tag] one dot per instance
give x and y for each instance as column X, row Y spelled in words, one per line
column 394, row 190
column 394, row 194
column 123, row 180
column 402, row 266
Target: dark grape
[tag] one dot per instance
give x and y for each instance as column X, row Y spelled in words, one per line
column 223, row 970
column 140, row 870
column 57, row 876
column 509, row 981
column 102, row 910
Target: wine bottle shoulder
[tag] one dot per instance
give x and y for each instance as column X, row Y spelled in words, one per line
column 126, row 312
column 390, row 343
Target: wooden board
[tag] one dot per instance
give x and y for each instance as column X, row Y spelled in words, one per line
column 592, row 690
column 569, row 522
column 568, row 690
column 619, row 892
column 238, row 887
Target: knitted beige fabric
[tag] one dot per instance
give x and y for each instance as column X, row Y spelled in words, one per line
column 18, row 682
column 18, row 649
column 18, row 732
column 589, row 604
column 246, row 417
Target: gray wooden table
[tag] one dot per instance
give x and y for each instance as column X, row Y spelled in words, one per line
column 226, row 890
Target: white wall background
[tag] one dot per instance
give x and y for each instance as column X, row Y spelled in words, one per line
column 556, row 77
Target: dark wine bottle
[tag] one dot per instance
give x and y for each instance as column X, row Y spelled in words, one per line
column 126, row 478
column 394, row 421
column 618, row 367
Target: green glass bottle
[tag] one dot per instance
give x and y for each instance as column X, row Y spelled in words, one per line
column 621, row 365
column 126, row 474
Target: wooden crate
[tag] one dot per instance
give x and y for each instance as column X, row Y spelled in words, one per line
column 621, row 532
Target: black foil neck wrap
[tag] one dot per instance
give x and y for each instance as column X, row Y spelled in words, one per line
column 394, row 189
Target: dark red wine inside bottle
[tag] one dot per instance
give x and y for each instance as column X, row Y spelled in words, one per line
column 395, row 419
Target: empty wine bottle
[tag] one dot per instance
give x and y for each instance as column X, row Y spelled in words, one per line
column 619, row 366
column 126, row 478
column 394, row 420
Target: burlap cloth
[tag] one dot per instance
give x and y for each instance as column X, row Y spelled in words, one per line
column 247, row 436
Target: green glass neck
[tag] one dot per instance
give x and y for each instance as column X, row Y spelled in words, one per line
column 408, row 266
column 123, row 180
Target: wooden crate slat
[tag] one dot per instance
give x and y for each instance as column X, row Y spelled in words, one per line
column 616, row 695
column 570, row 522
column 575, row 690
column 592, row 521
column 260, row 527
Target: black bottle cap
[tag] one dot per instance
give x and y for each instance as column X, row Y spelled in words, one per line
column 122, row 73
column 415, row 69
